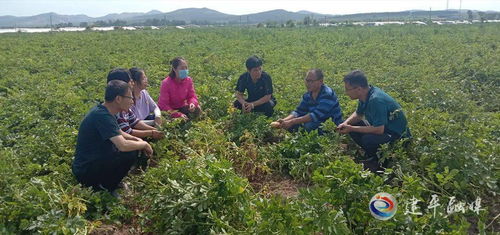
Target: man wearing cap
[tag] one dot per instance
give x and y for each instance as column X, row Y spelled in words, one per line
column 378, row 119
column 260, row 89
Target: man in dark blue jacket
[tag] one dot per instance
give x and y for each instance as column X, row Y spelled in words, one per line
column 318, row 104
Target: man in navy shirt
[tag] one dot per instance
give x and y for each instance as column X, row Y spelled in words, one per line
column 104, row 154
column 260, row 89
column 318, row 104
column 378, row 119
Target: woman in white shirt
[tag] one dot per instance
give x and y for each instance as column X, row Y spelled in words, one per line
column 144, row 106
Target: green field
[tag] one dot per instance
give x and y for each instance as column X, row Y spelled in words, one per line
column 231, row 173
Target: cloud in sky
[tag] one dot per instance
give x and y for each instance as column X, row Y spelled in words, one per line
column 96, row 8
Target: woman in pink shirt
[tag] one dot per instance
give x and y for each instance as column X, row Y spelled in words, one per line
column 177, row 94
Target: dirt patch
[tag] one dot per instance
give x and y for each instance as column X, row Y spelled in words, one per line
column 280, row 185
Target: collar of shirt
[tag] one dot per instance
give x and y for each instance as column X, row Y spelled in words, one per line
column 321, row 92
column 370, row 93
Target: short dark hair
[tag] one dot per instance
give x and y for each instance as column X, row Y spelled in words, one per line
column 136, row 74
column 119, row 74
column 115, row 88
column 253, row 62
column 318, row 73
column 356, row 78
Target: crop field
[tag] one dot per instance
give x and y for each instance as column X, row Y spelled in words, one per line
column 231, row 173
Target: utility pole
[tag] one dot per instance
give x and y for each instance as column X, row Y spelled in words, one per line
column 430, row 10
column 447, row 4
column 460, row 10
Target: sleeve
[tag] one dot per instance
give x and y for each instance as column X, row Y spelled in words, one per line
column 132, row 119
column 378, row 112
column 107, row 127
column 123, row 123
column 152, row 105
column 301, row 110
column 269, row 85
column 328, row 107
column 192, row 98
column 164, row 98
column 176, row 114
column 157, row 112
column 240, row 85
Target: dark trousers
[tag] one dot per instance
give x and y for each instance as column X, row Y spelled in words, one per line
column 370, row 143
column 266, row 108
column 185, row 110
column 108, row 171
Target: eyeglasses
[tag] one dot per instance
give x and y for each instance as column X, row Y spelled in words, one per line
column 130, row 97
column 310, row 80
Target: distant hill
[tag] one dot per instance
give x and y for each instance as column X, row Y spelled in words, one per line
column 403, row 15
column 42, row 20
column 281, row 16
column 188, row 15
column 196, row 15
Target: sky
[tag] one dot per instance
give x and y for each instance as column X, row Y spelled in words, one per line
column 96, row 8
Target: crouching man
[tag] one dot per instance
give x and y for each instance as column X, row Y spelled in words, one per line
column 104, row 155
column 377, row 120
column 318, row 104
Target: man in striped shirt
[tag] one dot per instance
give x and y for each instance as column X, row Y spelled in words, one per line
column 318, row 104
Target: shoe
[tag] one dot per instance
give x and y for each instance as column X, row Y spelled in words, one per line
column 371, row 164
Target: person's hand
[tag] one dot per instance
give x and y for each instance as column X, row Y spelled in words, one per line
column 178, row 114
column 275, row 124
column 158, row 121
column 344, row 129
column 286, row 124
column 341, row 126
column 246, row 107
column 251, row 106
column 185, row 117
column 155, row 134
column 147, row 149
column 191, row 107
